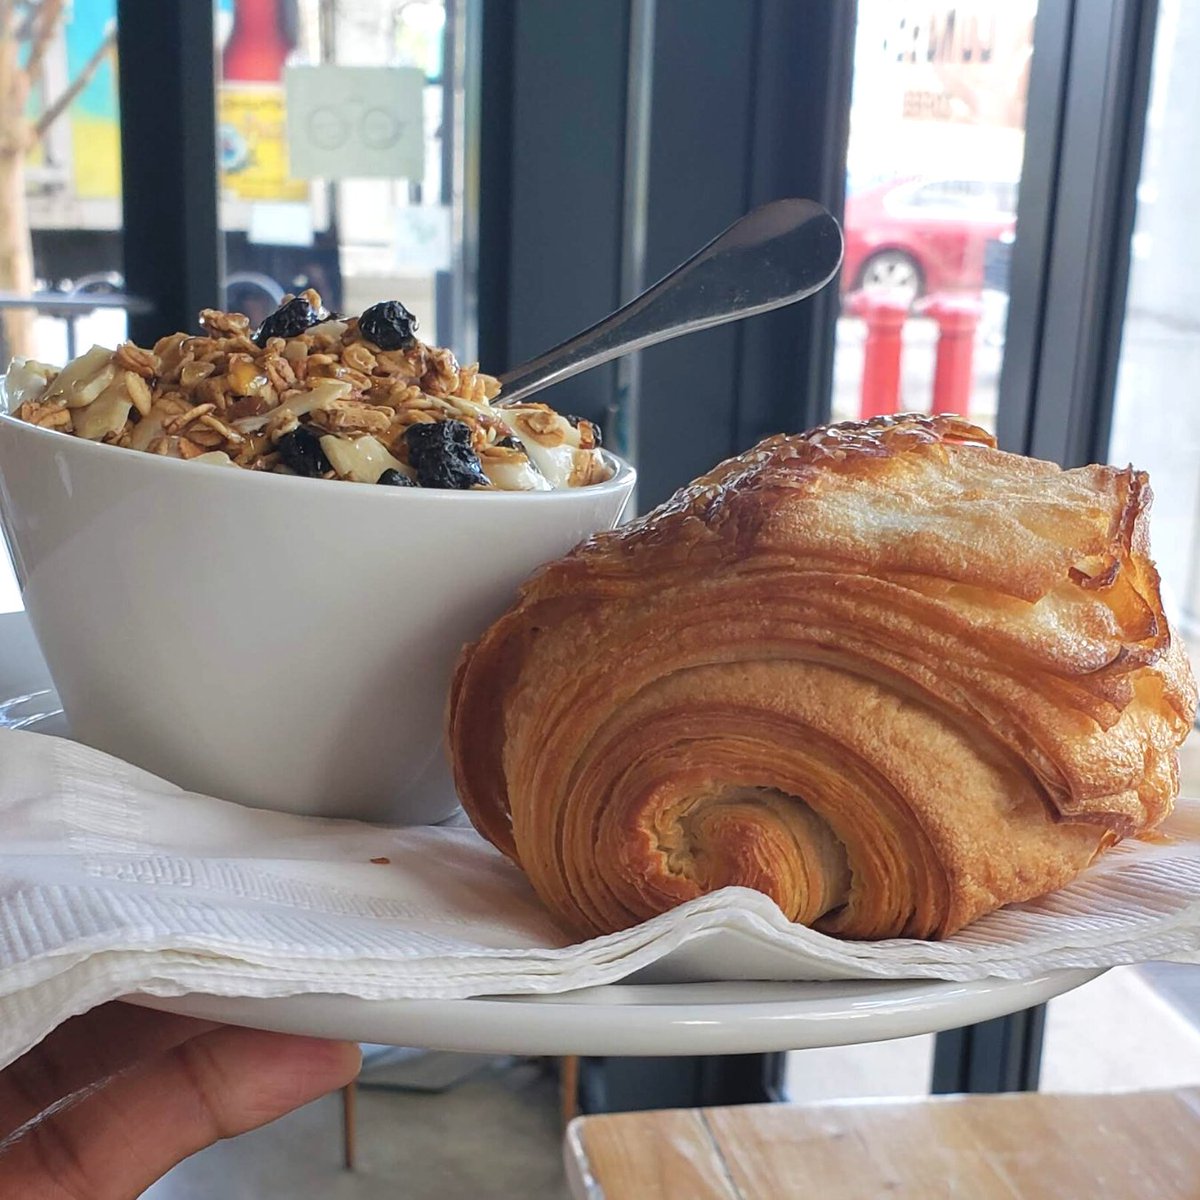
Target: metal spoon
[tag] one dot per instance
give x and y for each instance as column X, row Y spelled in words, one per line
column 775, row 255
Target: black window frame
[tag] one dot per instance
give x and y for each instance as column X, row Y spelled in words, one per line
column 172, row 246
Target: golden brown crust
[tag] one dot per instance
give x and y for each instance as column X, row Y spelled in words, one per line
column 884, row 672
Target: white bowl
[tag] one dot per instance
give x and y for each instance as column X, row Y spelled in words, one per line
column 282, row 642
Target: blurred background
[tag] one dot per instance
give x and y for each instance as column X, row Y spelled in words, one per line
column 1016, row 179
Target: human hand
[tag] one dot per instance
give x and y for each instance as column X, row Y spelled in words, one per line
column 113, row 1099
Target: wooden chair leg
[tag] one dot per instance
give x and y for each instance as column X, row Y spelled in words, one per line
column 568, row 1076
column 349, row 1131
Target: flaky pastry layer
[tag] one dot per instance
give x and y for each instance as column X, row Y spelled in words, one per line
column 886, row 673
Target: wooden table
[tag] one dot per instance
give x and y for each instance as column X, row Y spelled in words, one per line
column 1011, row 1147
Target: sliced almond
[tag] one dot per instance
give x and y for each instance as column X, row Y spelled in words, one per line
column 106, row 415
column 333, row 330
column 361, row 459
column 193, row 373
column 84, row 393
column 325, row 391
column 514, row 473
column 26, row 380
column 82, row 371
column 150, row 428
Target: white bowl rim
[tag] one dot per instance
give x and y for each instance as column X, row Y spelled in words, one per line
column 624, row 473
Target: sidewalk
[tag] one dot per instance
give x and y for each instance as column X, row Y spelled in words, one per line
column 1115, row 1034
column 916, row 369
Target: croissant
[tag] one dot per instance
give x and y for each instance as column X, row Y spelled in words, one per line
column 885, row 673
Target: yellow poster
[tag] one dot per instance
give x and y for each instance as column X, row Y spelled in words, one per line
column 252, row 144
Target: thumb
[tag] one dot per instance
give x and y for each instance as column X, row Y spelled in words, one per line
column 116, row 1142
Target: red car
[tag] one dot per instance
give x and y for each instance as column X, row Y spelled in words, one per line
column 926, row 235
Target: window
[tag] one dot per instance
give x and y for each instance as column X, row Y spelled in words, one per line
column 334, row 133
column 927, row 258
column 1148, row 1017
column 380, row 226
column 66, row 249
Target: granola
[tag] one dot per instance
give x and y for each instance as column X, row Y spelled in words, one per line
column 312, row 394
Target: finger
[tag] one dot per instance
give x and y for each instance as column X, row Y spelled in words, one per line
column 83, row 1051
column 114, row 1143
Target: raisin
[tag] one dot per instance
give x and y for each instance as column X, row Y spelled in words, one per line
column 289, row 320
column 575, row 421
column 389, row 325
column 301, row 450
column 511, row 443
column 441, row 453
column 393, row 478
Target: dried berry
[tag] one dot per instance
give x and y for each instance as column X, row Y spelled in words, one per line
column 389, row 325
column 511, row 443
column 393, row 478
column 575, row 422
column 301, row 450
column 289, row 320
column 440, row 452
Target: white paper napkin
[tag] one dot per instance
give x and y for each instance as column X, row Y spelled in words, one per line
column 113, row 881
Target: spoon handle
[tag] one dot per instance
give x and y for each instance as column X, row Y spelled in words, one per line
column 775, row 255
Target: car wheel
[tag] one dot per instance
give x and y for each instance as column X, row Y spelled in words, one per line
column 895, row 271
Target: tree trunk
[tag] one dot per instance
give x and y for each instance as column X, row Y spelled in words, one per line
column 16, row 254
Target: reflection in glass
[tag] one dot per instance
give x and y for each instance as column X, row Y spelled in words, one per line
column 306, row 78
column 1139, row 1027
column 937, row 135
column 60, row 173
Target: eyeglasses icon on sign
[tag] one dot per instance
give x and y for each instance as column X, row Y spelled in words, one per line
column 327, row 128
column 330, row 128
column 379, row 130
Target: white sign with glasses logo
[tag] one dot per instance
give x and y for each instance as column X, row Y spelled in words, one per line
column 355, row 122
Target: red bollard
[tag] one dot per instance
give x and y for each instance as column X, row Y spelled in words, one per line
column 957, row 319
column 885, row 315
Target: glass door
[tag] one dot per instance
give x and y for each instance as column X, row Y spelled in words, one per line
column 337, row 143
column 62, row 286
column 934, row 160
column 340, row 169
column 1140, row 1026
column 937, row 139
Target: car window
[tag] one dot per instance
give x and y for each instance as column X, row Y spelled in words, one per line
column 1006, row 196
column 965, row 195
column 942, row 193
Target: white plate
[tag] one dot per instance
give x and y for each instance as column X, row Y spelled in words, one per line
column 649, row 1019
column 641, row 1019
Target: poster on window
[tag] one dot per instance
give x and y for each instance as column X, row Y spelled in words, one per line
column 252, row 144
column 95, row 129
column 937, row 82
